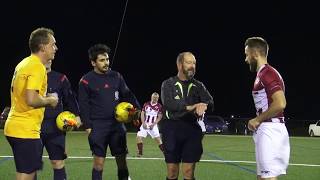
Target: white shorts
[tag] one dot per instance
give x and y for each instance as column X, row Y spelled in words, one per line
column 154, row 132
column 272, row 149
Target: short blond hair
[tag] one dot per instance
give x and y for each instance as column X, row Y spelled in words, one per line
column 181, row 56
column 155, row 94
column 38, row 37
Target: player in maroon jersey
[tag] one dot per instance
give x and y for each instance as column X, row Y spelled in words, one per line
column 270, row 133
column 150, row 116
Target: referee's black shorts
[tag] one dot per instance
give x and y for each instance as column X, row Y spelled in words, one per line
column 182, row 141
column 55, row 144
column 103, row 136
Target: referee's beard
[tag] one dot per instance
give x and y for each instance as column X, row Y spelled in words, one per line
column 189, row 73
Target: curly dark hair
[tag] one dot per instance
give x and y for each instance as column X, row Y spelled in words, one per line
column 97, row 49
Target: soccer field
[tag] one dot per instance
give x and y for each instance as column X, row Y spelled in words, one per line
column 224, row 158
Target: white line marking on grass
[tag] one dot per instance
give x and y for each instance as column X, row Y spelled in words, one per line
column 203, row 160
column 253, row 162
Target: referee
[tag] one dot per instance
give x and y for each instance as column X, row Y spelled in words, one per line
column 185, row 100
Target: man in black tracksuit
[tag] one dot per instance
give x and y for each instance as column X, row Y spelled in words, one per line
column 185, row 100
column 100, row 91
column 52, row 138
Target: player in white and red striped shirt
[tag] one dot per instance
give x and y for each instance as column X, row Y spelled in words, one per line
column 151, row 114
column 270, row 133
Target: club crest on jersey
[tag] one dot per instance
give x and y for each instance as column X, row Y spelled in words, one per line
column 116, row 95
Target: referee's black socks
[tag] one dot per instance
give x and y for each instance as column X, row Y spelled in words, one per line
column 96, row 175
column 59, row 174
column 123, row 174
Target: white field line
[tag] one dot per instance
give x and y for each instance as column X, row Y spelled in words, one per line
column 203, row 160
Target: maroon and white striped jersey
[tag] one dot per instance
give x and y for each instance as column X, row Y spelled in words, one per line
column 268, row 81
column 151, row 112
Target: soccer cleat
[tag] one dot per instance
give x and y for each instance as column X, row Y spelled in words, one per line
column 139, row 155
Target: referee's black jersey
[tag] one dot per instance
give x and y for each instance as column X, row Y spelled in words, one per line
column 177, row 94
column 100, row 93
column 59, row 83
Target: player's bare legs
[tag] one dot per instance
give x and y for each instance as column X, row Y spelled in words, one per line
column 57, row 164
column 24, row 176
column 139, row 139
column 272, row 178
column 98, row 163
column 188, row 170
column 173, row 170
column 158, row 140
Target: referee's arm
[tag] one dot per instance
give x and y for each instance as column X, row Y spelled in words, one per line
column 206, row 97
column 84, row 104
column 69, row 100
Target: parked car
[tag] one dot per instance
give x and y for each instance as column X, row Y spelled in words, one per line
column 314, row 129
column 215, row 124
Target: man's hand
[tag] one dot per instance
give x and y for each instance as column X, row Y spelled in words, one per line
column 253, row 124
column 53, row 99
column 151, row 126
column 191, row 107
column 88, row 130
column 136, row 123
column 79, row 123
column 144, row 126
column 200, row 109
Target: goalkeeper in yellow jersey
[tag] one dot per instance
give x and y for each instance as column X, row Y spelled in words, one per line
column 28, row 99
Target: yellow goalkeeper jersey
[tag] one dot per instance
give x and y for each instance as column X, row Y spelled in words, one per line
column 25, row 121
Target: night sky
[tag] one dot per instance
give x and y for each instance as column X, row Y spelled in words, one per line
column 155, row 32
